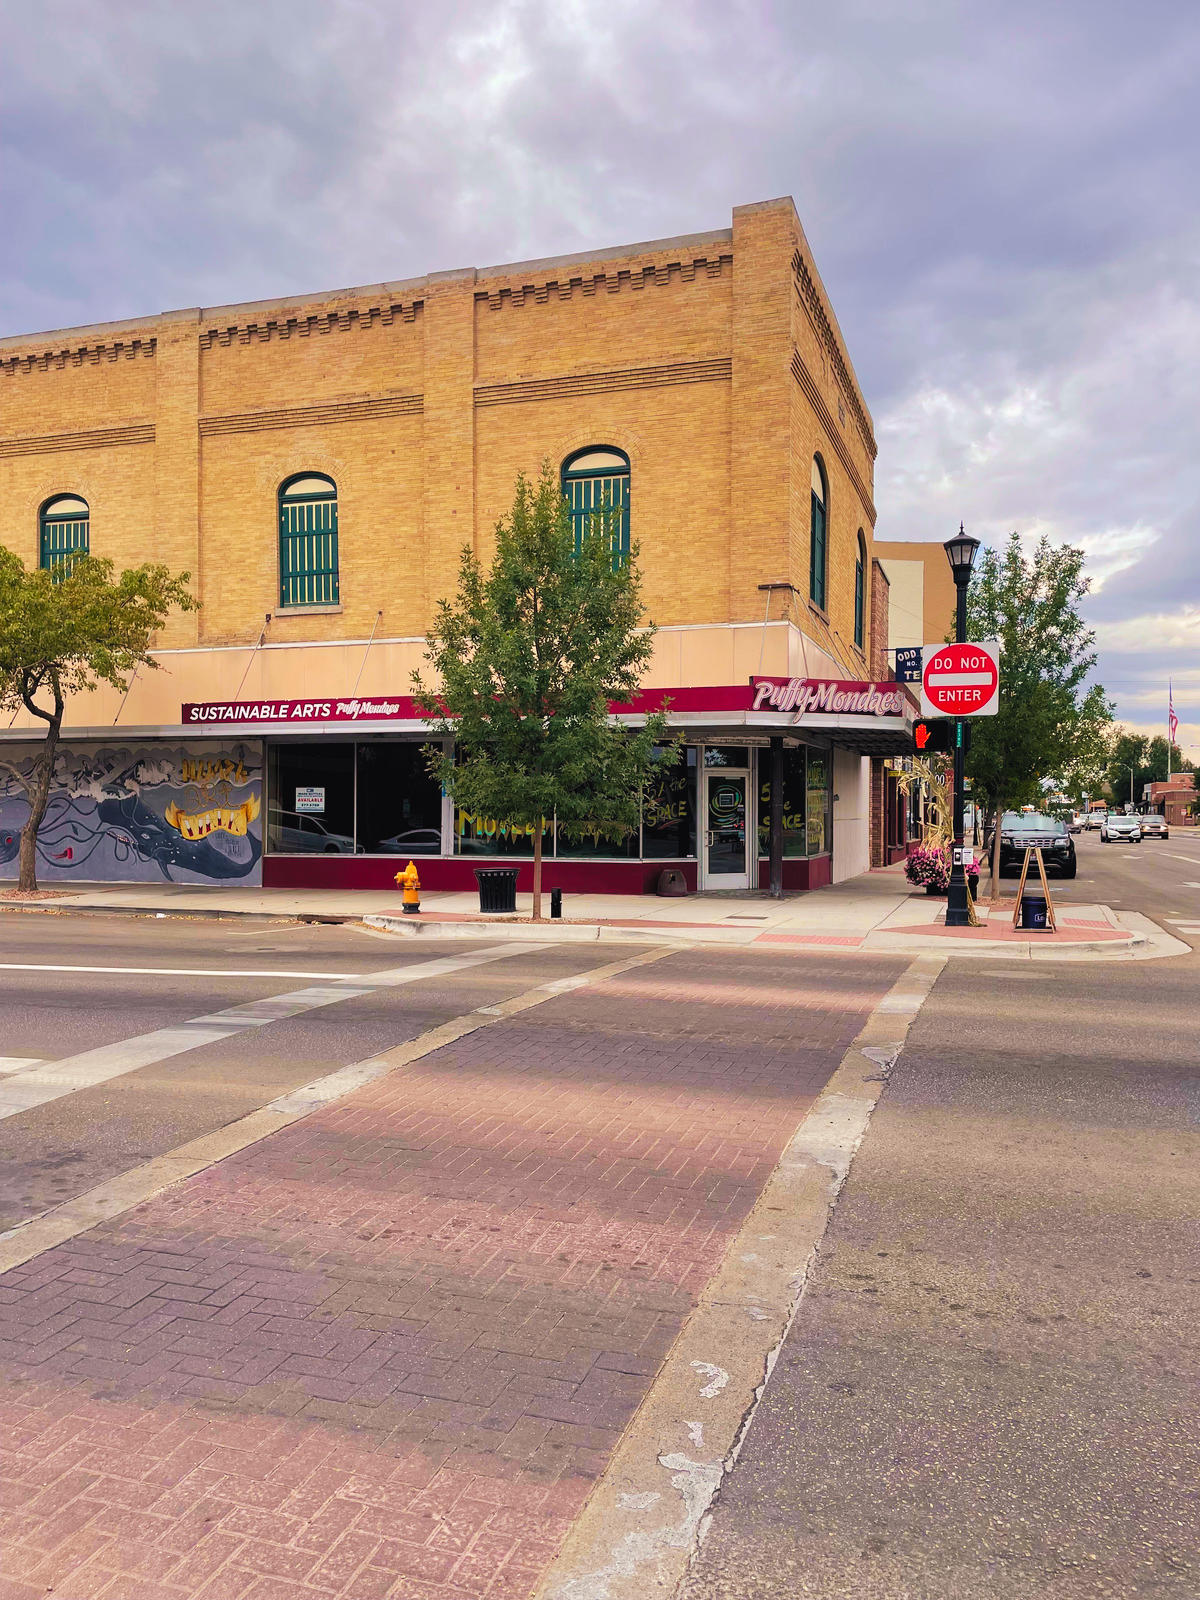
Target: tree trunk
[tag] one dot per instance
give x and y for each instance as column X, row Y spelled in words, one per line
column 537, row 869
column 27, row 882
column 994, row 890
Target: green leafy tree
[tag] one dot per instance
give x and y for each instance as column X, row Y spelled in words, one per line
column 529, row 656
column 1148, row 759
column 1049, row 723
column 66, row 631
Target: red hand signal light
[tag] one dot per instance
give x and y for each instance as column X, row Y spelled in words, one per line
column 922, row 733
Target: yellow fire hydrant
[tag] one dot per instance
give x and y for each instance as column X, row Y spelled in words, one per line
column 411, row 884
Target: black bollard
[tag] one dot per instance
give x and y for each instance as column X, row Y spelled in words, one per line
column 556, row 902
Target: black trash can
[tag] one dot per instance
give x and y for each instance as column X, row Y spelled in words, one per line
column 1033, row 911
column 497, row 888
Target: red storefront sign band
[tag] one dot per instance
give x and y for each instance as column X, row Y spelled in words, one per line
column 798, row 696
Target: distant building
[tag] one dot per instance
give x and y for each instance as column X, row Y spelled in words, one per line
column 1172, row 798
column 921, row 602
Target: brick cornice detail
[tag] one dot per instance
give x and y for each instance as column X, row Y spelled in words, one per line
column 814, row 305
column 718, row 369
column 397, row 405
column 43, row 360
column 335, row 321
column 606, row 282
column 90, row 439
column 805, row 379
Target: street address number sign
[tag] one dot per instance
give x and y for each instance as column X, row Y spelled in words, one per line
column 961, row 680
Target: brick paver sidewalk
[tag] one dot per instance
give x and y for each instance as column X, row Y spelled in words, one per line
column 385, row 1352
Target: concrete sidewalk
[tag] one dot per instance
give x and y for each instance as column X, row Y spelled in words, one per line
column 875, row 912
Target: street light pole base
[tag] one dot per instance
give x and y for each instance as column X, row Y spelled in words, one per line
column 957, row 913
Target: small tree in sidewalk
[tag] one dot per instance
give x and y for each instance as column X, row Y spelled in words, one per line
column 529, row 656
column 63, row 632
column 1048, row 719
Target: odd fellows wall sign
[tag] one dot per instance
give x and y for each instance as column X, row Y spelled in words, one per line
column 830, row 696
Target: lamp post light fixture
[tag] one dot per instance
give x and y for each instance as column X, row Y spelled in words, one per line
column 960, row 552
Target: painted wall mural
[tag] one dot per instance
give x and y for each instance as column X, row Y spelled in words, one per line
column 130, row 814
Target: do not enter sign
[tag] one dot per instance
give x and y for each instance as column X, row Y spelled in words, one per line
column 961, row 680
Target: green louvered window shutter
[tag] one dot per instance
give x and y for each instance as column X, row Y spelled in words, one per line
column 63, row 531
column 595, row 482
column 308, row 542
column 817, row 553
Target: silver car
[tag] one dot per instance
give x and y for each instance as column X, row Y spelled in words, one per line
column 1117, row 827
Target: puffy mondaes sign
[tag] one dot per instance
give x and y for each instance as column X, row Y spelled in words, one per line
column 803, row 696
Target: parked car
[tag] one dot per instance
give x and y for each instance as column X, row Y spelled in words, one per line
column 300, row 834
column 416, row 842
column 1121, row 825
column 1155, row 827
column 1075, row 822
column 1021, row 830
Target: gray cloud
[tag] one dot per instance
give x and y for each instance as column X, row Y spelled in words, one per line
column 1003, row 202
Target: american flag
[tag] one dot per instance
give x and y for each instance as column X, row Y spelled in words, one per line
column 1172, row 719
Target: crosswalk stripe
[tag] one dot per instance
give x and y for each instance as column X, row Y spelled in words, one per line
column 41, row 1082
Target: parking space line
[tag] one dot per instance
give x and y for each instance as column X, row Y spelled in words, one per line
column 180, row 972
column 40, row 1083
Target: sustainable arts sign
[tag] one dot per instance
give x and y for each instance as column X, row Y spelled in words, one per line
column 827, row 696
column 292, row 711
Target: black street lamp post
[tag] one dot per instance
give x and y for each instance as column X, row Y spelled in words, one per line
column 960, row 552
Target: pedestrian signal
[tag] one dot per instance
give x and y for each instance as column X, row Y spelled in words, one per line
column 936, row 736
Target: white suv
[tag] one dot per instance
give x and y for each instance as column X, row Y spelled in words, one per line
column 1116, row 827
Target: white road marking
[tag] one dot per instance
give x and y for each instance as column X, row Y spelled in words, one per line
column 181, row 972
column 37, row 1084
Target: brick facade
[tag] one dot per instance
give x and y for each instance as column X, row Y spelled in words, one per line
column 714, row 361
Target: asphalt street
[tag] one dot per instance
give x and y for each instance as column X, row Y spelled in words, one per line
column 56, row 1005
column 990, row 1386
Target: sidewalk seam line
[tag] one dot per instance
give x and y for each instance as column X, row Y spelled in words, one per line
column 120, row 1194
column 633, row 1531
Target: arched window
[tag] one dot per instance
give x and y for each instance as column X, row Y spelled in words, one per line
column 63, row 524
column 818, row 538
column 860, row 592
column 308, row 541
column 597, row 480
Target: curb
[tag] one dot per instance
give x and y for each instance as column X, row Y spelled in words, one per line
column 645, row 1516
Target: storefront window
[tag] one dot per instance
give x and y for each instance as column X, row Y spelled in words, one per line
column 399, row 804
column 795, row 802
column 310, row 791
column 597, row 846
column 669, row 811
column 819, row 763
column 494, row 836
column 726, row 755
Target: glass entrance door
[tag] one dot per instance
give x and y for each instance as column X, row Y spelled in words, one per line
column 726, row 859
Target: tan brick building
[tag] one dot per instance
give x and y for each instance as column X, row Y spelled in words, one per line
column 317, row 464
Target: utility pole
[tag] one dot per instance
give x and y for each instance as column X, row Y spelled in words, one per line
column 960, row 552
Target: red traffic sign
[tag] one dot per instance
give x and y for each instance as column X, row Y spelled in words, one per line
column 961, row 680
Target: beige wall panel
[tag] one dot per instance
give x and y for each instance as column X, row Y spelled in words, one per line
column 106, row 393
column 267, row 373
column 377, row 468
column 706, row 655
column 117, row 484
column 659, row 323
column 677, row 440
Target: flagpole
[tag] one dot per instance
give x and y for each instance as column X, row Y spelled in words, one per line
column 1170, row 714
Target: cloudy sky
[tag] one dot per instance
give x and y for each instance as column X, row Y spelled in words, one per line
column 1002, row 200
